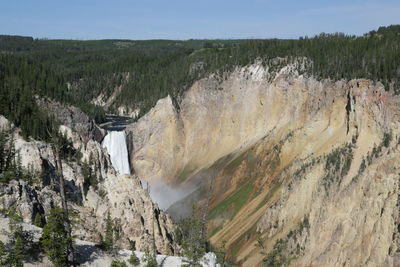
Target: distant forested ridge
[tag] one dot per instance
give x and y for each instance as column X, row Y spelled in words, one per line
column 76, row 72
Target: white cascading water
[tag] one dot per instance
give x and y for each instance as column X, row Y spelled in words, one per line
column 115, row 143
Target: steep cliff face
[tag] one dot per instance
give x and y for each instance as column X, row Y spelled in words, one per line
column 302, row 170
column 139, row 222
column 73, row 118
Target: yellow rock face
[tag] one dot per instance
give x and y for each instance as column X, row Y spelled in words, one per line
column 305, row 171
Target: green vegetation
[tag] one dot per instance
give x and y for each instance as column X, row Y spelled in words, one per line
column 248, row 157
column 116, row 263
column 283, row 253
column 39, row 219
column 376, row 151
column 18, row 253
column 10, row 161
column 111, row 236
column 304, row 167
column 233, row 203
column 55, row 238
column 150, row 259
column 222, row 256
column 185, row 173
column 192, row 241
column 108, row 241
column 14, row 253
column 362, row 167
column 387, row 138
column 337, row 165
column 20, row 246
column 236, row 162
column 133, row 259
column 75, row 72
column 3, row 254
column 191, row 237
column 66, row 148
column 270, row 193
column 89, row 174
column 216, row 230
column 278, row 255
column 250, row 234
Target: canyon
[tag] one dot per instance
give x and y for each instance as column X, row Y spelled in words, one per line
column 291, row 169
column 247, row 152
column 285, row 169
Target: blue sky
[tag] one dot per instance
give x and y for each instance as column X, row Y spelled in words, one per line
column 179, row 19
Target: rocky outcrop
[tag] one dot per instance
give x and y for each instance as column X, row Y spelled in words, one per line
column 89, row 253
column 23, row 198
column 74, row 118
column 139, row 222
column 279, row 150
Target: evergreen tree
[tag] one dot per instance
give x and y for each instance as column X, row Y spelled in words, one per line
column 89, row 175
column 149, row 70
column 108, row 241
column 193, row 242
column 10, row 161
column 133, row 259
column 18, row 253
column 19, row 246
column 150, row 259
column 221, row 254
column 55, row 238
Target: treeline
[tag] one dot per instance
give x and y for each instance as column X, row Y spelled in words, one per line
column 76, row 72
column 375, row 55
column 22, row 79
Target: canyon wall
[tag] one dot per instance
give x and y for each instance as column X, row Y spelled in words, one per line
column 299, row 171
column 139, row 222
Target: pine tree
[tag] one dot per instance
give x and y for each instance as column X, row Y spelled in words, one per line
column 193, row 242
column 133, row 259
column 4, row 136
column 18, row 253
column 109, row 236
column 150, row 259
column 55, row 238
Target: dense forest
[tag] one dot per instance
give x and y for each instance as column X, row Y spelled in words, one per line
column 76, row 72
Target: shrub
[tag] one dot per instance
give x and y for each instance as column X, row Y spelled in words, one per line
column 116, row 263
column 387, row 138
column 134, row 260
column 3, row 254
column 337, row 165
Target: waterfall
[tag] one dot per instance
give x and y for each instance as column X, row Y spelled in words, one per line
column 115, row 143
